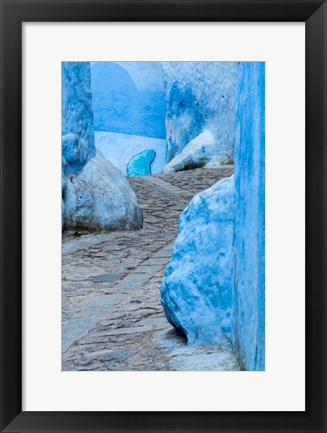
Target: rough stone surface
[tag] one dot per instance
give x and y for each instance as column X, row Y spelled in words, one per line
column 112, row 318
column 200, row 96
column 249, row 290
column 100, row 198
column 140, row 164
column 196, row 291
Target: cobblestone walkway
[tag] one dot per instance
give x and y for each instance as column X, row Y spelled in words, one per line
column 112, row 318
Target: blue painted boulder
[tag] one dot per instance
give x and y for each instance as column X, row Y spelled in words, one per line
column 196, row 291
column 140, row 164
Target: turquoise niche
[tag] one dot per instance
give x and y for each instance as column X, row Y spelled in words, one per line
column 140, row 164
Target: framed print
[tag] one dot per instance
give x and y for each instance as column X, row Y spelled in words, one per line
column 163, row 216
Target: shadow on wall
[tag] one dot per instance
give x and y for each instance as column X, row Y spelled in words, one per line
column 128, row 106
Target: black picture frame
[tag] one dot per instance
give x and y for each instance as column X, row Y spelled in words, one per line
column 13, row 14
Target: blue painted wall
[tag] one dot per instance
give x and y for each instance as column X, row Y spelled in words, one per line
column 200, row 96
column 77, row 116
column 95, row 195
column 126, row 105
column 249, row 243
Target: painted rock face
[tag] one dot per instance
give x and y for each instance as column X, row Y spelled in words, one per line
column 140, row 164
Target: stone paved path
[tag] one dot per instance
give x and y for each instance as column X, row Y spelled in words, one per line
column 112, row 318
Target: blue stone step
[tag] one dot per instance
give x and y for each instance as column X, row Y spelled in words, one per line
column 140, row 164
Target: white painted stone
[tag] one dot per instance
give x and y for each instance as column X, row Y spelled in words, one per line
column 99, row 197
column 197, row 153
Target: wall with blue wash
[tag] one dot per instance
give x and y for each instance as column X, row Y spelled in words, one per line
column 129, row 98
column 77, row 116
column 249, row 241
column 200, row 96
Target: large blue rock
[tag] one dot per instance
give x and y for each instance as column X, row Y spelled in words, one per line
column 197, row 298
column 126, row 105
column 140, row 164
